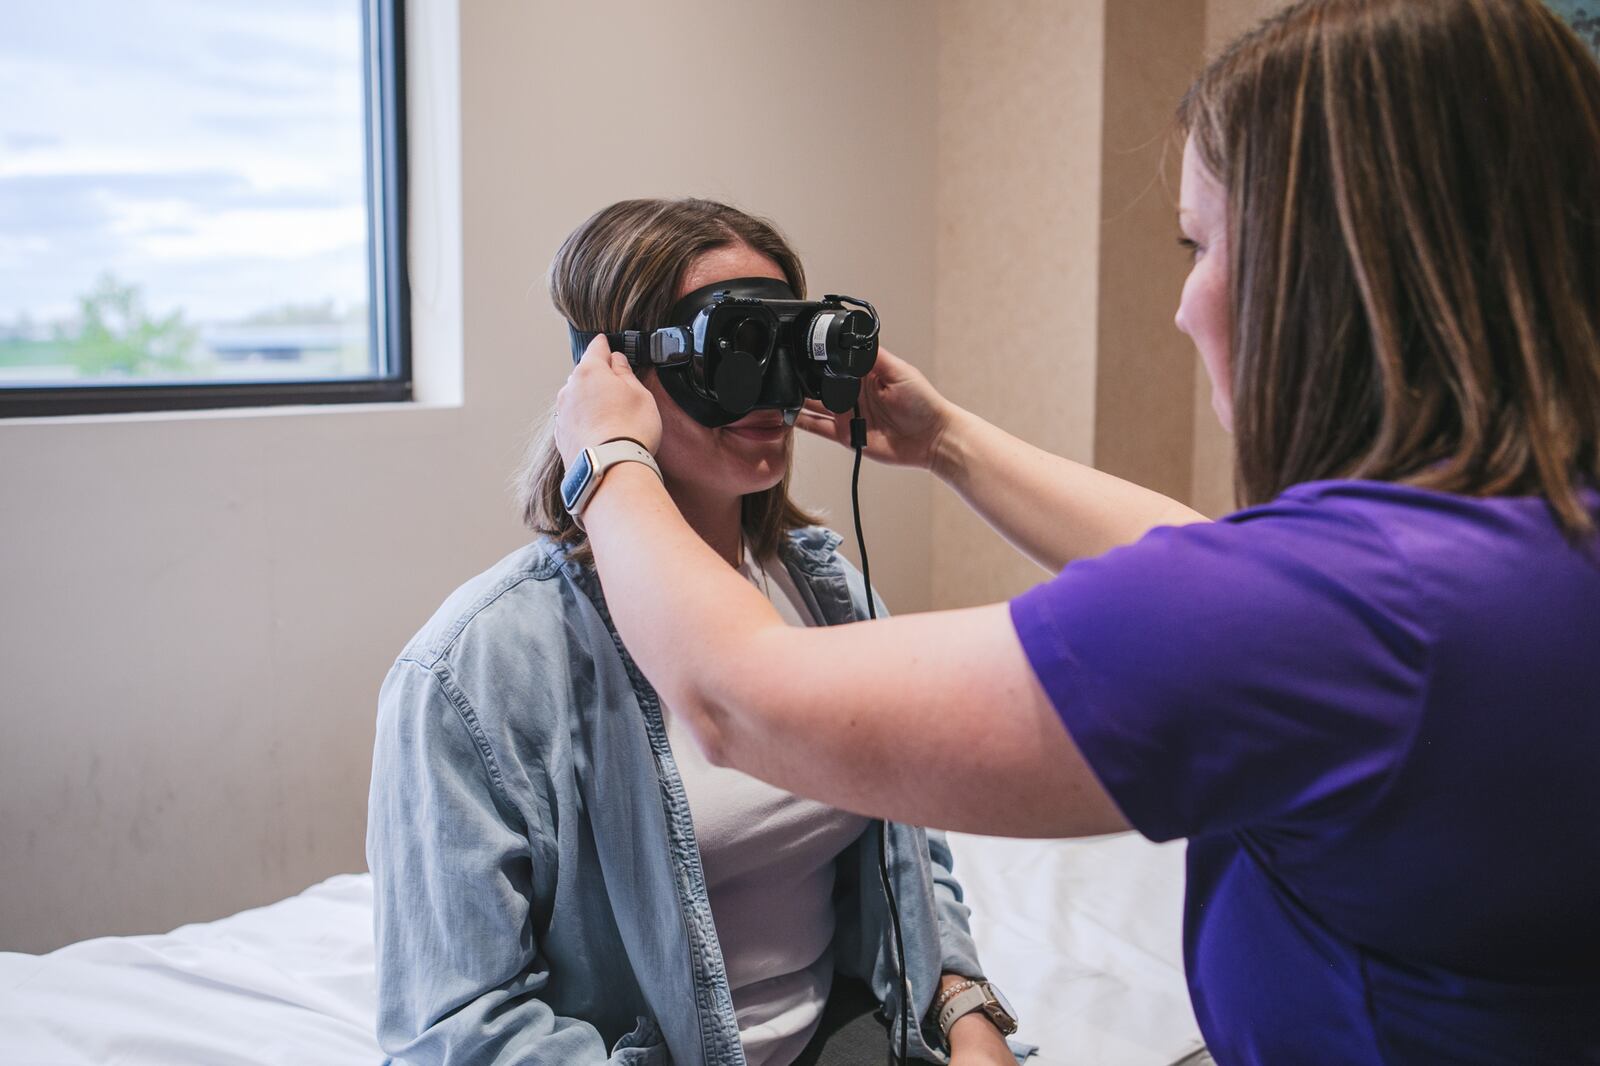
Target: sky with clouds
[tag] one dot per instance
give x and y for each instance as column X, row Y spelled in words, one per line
column 210, row 151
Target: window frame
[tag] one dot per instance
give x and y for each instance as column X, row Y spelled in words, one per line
column 388, row 285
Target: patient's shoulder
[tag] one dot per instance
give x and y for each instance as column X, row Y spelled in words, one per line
column 524, row 618
column 494, row 678
column 521, row 655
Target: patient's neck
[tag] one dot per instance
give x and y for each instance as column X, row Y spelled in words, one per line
column 715, row 516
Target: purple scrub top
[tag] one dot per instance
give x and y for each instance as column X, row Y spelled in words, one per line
column 1375, row 713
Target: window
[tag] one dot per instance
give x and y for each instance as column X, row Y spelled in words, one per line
column 1584, row 15
column 201, row 205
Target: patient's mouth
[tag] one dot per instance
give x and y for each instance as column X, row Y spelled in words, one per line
column 766, row 426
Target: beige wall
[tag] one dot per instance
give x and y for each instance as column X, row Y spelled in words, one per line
column 1057, row 272
column 1019, row 119
column 1227, row 19
column 197, row 610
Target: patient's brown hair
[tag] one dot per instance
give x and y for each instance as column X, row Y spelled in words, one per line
column 621, row 270
column 1414, row 209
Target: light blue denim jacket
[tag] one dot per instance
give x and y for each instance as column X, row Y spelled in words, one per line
column 533, row 856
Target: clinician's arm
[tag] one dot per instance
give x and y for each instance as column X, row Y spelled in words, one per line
column 1051, row 509
column 933, row 719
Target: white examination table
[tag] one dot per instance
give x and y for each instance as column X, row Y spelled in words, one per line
column 1083, row 936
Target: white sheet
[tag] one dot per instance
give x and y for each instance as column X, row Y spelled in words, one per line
column 1083, row 937
column 292, row 984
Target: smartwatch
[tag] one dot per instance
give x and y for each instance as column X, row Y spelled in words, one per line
column 581, row 480
column 962, row 999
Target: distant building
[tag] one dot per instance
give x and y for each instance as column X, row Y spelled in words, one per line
column 289, row 343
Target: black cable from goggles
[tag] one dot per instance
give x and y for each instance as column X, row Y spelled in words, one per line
column 858, row 441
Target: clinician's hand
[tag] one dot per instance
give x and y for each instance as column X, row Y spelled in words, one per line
column 906, row 416
column 602, row 400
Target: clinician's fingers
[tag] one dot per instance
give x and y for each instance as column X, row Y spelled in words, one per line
column 597, row 354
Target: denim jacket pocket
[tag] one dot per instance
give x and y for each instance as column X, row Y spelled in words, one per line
column 645, row 1046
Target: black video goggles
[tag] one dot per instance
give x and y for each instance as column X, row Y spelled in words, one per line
column 735, row 346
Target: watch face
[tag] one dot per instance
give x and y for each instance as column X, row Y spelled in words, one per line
column 577, row 477
column 1005, row 1004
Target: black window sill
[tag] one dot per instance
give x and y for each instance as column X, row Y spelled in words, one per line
column 124, row 399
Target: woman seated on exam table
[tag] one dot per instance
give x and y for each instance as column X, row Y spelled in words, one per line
column 560, row 877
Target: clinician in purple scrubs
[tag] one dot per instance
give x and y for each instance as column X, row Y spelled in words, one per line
column 1371, row 699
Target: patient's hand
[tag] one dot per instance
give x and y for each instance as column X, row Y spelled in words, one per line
column 974, row 1041
column 906, row 416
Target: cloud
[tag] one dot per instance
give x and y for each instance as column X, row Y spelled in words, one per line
column 164, row 233
column 66, row 206
column 27, row 142
column 192, row 147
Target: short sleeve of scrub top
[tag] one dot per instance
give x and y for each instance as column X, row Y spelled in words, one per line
column 1265, row 669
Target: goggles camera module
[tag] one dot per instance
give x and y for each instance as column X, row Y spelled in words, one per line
column 735, row 346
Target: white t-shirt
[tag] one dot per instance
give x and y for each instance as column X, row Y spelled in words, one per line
column 769, row 859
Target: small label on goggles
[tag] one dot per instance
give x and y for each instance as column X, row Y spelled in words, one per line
column 819, row 338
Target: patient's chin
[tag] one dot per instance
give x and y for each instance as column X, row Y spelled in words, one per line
column 727, row 476
column 756, row 462
column 762, row 476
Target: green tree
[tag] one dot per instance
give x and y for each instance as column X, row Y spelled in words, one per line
column 116, row 334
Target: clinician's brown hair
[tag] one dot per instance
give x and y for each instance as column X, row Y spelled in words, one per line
column 621, row 270
column 1414, row 207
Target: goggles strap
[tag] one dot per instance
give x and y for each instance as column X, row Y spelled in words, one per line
column 632, row 343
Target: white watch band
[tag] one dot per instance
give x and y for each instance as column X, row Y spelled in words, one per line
column 603, row 457
column 962, row 1003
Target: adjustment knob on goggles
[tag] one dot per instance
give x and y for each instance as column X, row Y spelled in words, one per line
column 843, row 343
